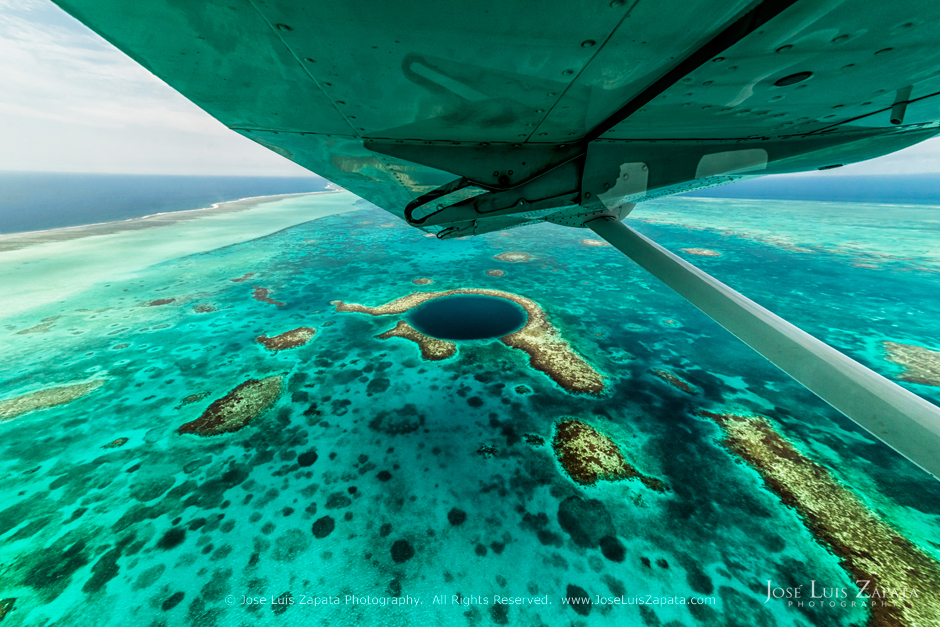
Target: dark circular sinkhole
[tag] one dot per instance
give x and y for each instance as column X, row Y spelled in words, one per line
column 467, row 317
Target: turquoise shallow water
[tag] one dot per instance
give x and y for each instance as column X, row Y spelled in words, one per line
column 169, row 529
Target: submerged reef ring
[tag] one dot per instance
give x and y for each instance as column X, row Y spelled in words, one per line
column 261, row 294
column 701, row 252
column 514, row 257
column 869, row 549
column 589, row 456
column 599, row 243
column 432, row 348
column 548, row 352
column 921, row 365
column 236, row 409
column 44, row 399
column 423, row 281
column 673, row 380
column 496, row 273
column 288, row 339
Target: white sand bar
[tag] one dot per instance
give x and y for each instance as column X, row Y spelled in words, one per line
column 44, row 267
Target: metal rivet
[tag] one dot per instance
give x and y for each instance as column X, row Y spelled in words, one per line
column 327, row 84
column 587, row 194
column 836, row 40
column 284, row 27
column 340, row 102
column 884, row 50
column 309, row 60
column 510, row 173
column 495, row 173
column 588, row 43
column 784, row 48
column 567, row 73
column 718, row 59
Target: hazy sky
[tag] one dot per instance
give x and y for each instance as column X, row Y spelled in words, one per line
column 69, row 101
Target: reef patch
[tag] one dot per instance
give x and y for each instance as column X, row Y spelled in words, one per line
column 44, row 399
column 118, row 443
column 589, row 456
column 701, row 252
column 598, row 243
column 236, row 409
column 261, row 294
column 496, row 273
column 243, row 278
column 673, row 380
column 921, row 365
column 432, row 349
column 42, row 327
column 868, row 548
column 423, row 281
column 288, row 339
column 548, row 352
column 514, row 257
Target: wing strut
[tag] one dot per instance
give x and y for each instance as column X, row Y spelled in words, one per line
column 902, row 420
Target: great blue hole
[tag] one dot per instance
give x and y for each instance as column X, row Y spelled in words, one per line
column 467, row 317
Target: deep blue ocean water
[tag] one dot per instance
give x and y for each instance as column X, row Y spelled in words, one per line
column 901, row 189
column 36, row 201
column 467, row 317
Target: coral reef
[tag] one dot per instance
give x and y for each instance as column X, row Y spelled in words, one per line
column 589, row 456
column 118, row 443
column 701, row 252
column 42, row 327
column 192, row 398
column 44, row 399
column 548, row 352
column 423, row 281
column 243, row 278
column 514, row 257
column 236, row 409
column 599, row 243
column 874, row 553
column 204, row 308
column 432, row 349
column 288, row 339
column 921, row 365
column 673, row 380
column 496, row 273
column 261, row 294
column 159, row 301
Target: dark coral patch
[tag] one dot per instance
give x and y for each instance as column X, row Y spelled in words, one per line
column 172, row 538
column 402, row 551
column 612, row 549
column 116, row 443
column 456, row 517
column 172, row 601
column 579, row 600
column 323, row 527
column 307, row 458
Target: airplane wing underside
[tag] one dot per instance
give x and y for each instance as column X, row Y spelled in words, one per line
column 466, row 118
column 550, row 112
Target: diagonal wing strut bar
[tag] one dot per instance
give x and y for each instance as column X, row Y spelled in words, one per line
column 902, row 420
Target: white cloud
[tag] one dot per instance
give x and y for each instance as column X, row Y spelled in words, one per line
column 69, row 101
